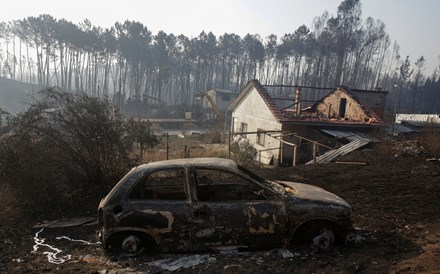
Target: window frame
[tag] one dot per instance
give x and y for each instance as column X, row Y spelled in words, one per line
column 261, row 135
column 243, row 126
column 143, row 179
column 242, row 176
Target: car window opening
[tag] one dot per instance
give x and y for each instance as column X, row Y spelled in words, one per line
column 161, row 185
column 219, row 185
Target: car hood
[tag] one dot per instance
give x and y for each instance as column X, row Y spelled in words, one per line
column 312, row 193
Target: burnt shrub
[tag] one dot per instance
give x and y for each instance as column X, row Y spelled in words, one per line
column 430, row 141
column 65, row 148
column 244, row 153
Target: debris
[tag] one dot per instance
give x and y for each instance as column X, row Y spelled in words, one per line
column 90, row 258
column 80, row 241
column 51, row 255
column 354, row 238
column 351, row 163
column 227, row 249
column 285, row 253
column 231, row 265
column 66, row 222
column 433, row 159
column 183, row 262
column 407, row 148
column 127, row 270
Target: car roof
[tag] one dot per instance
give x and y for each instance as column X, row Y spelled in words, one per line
column 198, row 162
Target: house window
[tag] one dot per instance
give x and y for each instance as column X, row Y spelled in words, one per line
column 234, row 124
column 260, row 137
column 342, row 107
column 243, row 129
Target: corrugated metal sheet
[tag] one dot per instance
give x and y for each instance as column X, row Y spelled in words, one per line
column 396, row 129
column 427, row 118
column 420, row 124
column 349, row 135
column 343, row 150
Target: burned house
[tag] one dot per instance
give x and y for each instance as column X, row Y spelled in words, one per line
column 283, row 135
column 222, row 98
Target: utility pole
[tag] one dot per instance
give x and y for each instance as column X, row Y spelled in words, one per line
column 396, row 103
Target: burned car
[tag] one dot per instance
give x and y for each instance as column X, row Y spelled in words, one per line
column 209, row 203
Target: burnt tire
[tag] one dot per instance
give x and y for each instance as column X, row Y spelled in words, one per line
column 323, row 239
column 319, row 235
column 130, row 242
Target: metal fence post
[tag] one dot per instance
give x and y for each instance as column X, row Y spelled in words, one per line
column 294, row 155
column 229, row 145
column 168, row 147
column 314, row 152
column 259, row 159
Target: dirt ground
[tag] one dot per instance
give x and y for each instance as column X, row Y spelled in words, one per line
column 395, row 198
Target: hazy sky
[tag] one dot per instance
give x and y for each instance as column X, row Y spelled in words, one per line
column 413, row 23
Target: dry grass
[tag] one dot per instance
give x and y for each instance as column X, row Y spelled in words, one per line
column 187, row 147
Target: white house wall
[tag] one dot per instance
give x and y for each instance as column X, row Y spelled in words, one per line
column 253, row 111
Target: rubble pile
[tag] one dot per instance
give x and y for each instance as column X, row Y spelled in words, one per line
column 407, row 148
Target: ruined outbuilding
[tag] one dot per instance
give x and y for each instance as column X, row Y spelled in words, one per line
column 344, row 113
column 350, row 105
column 222, row 98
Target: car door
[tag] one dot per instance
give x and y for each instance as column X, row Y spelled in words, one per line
column 159, row 205
column 232, row 210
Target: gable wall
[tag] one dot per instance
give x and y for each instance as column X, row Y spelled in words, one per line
column 253, row 111
column 330, row 107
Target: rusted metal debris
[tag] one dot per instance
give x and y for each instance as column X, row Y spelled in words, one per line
column 182, row 262
column 209, row 203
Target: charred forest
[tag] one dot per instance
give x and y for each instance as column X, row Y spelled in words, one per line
column 131, row 65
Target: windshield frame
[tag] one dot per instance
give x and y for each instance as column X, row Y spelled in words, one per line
column 268, row 183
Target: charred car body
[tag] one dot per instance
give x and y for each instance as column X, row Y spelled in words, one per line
column 209, row 203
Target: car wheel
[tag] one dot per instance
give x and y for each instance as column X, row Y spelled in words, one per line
column 323, row 239
column 131, row 244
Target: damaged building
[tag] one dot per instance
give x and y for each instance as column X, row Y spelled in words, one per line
column 287, row 135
